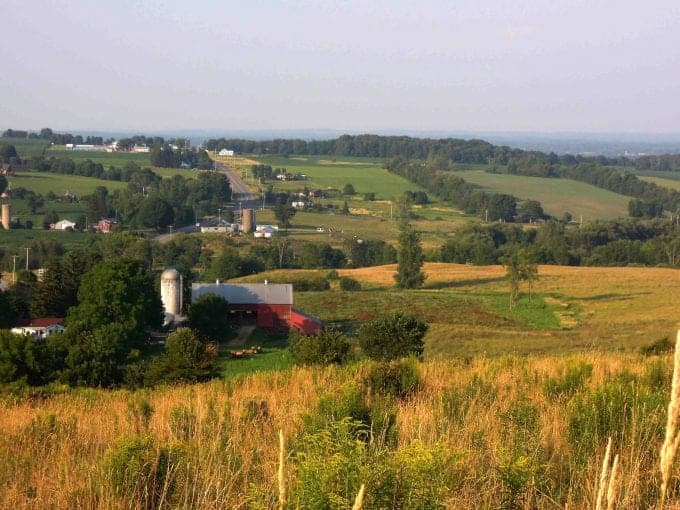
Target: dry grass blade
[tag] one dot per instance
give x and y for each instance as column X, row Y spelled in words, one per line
column 359, row 501
column 282, row 480
column 670, row 443
column 611, row 489
column 601, row 487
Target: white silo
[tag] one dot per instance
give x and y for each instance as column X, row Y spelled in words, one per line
column 171, row 294
column 6, row 216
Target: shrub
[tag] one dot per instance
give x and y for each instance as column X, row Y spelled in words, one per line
column 393, row 336
column 349, row 284
column 186, row 359
column 660, row 346
column 142, row 472
column 398, row 378
column 311, row 284
column 323, row 348
column 332, row 275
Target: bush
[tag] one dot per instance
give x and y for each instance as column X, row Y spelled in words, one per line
column 393, row 336
column 660, row 346
column 399, row 378
column 349, row 284
column 185, row 359
column 332, row 275
column 324, row 348
column 142, row 472
column 311, row 284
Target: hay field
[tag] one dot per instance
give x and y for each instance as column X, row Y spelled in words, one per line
column 613, row 308
column 662, row 181
column 556, row 195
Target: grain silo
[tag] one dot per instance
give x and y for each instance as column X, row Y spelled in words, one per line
column 248, row 220
column 6, row 216
column 171, row 294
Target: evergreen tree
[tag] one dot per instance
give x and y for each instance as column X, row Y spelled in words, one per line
column 48, row 299
column 345, row 208
column 409, row 259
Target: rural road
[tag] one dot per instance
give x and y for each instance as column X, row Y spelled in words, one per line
column 241, row 194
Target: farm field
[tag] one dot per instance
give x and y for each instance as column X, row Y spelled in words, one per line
column 370, row 220
column 118, row 159
column 556, row 195
column 43, row 183
column 27, row 147
column 664, row 182
column 365, row 174
column 574, row 308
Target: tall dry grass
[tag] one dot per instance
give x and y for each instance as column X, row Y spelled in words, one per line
column 511, row 439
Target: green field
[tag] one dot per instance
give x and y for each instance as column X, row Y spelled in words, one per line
column 365, row 174
column 43, row 183
column 118, row 159
column 27, row 147
column 556, row 195
column 664, row 182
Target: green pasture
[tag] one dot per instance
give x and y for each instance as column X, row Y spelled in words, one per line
column 556, row 195
column 365, row 174
column 27, row 147
column 43, row 183
column 117, row 159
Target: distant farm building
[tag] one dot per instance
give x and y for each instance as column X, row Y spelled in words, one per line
column 226, row 152
column 141, row 148
column 269, row 306
column 63, row 225
column 104, row 226
column 40, row 328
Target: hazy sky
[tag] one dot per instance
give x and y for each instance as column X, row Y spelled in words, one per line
column 495, row 65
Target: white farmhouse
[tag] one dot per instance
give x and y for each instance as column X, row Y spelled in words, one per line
column 226, row 152
column 62, row 225
column 40, row 328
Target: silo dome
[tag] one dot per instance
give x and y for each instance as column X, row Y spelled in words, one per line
column 170, row 274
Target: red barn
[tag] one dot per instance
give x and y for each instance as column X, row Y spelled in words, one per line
column 268, row 305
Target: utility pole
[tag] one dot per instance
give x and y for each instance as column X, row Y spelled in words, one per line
column 27, row 258
column 219, row 217
column 14, row 269
column 486, row 216
column 390, row 210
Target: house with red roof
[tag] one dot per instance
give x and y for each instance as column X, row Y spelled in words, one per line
column 39, row 328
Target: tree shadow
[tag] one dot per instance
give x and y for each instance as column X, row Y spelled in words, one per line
column 614, row 297
column 463, row 283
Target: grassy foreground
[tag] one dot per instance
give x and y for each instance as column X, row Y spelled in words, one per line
column 505, row 433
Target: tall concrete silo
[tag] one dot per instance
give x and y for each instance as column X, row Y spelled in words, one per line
column 171, row 294
column 6, row 216
column 248, row 220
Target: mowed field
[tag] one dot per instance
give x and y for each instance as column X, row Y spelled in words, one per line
column 572, row 308
column 43, row 183
column 365, row 174
column 556, row 195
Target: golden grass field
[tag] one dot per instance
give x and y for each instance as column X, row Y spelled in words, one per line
column 510, row 431
column 507, row 442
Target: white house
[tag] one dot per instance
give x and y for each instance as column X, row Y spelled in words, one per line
column 62, row 225
column 40, row 328
column 226, row 152
column 299, row 205
column 141, row 148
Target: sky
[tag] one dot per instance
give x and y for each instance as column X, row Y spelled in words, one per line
column 364, row 66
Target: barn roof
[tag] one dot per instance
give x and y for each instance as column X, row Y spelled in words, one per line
column 247, row 293
column 41, row 322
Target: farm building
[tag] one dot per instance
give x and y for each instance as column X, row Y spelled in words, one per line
column 40, row 328
column 62, row 225
column 267, row 305
column 226, row 152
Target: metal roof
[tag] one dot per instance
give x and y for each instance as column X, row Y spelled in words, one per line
column 247, row 293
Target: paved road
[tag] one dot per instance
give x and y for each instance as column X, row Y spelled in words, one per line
column 242, row 195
